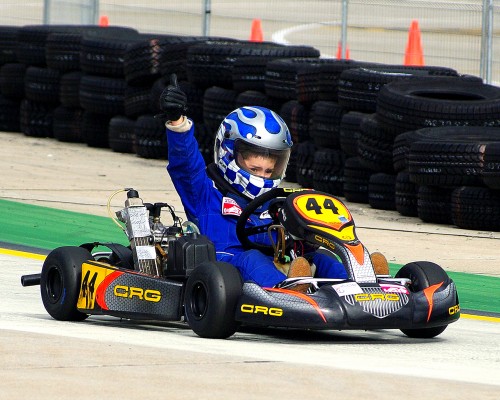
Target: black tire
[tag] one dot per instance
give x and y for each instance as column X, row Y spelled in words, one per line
column 308, row 82
column 406, row 196
column 401, row 149
column 104, row 55
column 217, row 103
column 173, row 57
column 95, row 129
column 476, row 208
column 212, row 292
column 12, row 80
column 8, row 44
column 60, row 282
column 375, row 146
column 446, row 101
column 330, row 72
column 67, row 124
column 434, row 204
column 31, row 42
column 36, row 119
column 328, row 171
column 62, row 51
column 141, row 61
column 9, row 114
column 249, row 73
column 69, row 89
column 462, row 156
column 359, row 87
column 42, row 85
column 447, row 163
column 382, row 191
column 137, row 101
column 256, row 98
column 356, row 180
column 296, row 117
column 422, row 275
column 150, row 139
column 121, row 135
column 491, row 168
column 102, row 95
column 304, row 162
column 211, row 63
column 282, row 77
column 324, row 128
column 350, row 132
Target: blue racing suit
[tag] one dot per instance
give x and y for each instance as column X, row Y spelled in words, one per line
column 216, row 214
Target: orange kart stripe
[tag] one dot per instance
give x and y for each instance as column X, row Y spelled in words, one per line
column 429, row 293
column 301, row 296
column 358, row 251
column 100, row 298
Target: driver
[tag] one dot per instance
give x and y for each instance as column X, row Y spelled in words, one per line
column 252, row 148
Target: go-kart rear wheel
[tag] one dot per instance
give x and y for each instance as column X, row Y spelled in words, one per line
column 212, row 292
column 422, row 275
column 60, row 282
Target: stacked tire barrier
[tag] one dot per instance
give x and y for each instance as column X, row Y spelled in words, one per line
column 422, row 141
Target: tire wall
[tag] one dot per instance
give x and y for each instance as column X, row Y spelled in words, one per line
column 421, row 141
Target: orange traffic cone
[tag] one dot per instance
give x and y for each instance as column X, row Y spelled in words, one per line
column 339, row 52
column 414, row 54
column 256, row 34
column 104, row 21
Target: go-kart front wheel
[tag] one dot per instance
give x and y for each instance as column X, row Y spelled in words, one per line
column 422, row 275
column 60, row 282
column 212, row 292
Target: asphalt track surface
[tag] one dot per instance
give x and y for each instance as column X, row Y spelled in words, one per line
column 105, row 357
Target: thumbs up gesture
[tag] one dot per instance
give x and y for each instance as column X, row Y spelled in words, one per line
column 173, row 101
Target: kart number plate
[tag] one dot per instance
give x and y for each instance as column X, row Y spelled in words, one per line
column 326, row 213
column 92, row 278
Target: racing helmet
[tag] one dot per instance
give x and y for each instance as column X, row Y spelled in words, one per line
column 252, row 131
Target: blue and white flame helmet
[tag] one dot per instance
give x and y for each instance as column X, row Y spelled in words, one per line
column 252, row 130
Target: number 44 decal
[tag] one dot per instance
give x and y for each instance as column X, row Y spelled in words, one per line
column 328, row 204
column 323, row 210
column 88, row 289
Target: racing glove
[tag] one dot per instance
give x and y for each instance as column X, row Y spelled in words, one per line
column 173, row 101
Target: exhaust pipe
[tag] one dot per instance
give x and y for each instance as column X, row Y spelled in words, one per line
column 30, row 280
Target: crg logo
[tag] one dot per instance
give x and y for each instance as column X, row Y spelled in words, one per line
column 271, row 311
column 131, row 292
column 454, row 310
column 376, row 296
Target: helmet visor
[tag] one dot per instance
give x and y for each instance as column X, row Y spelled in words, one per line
column 262, row 162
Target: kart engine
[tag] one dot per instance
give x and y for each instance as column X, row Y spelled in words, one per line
column 149, row 238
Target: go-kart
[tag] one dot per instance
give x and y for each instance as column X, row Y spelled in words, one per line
column 171, row 274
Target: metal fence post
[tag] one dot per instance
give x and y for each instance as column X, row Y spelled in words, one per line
column 55, row 10
column 343, row 31
column 486, row 41
column 46, row 12
column 206, row 17
column 95, row 10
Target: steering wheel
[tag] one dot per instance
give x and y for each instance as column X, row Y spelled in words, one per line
column 244, row 233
